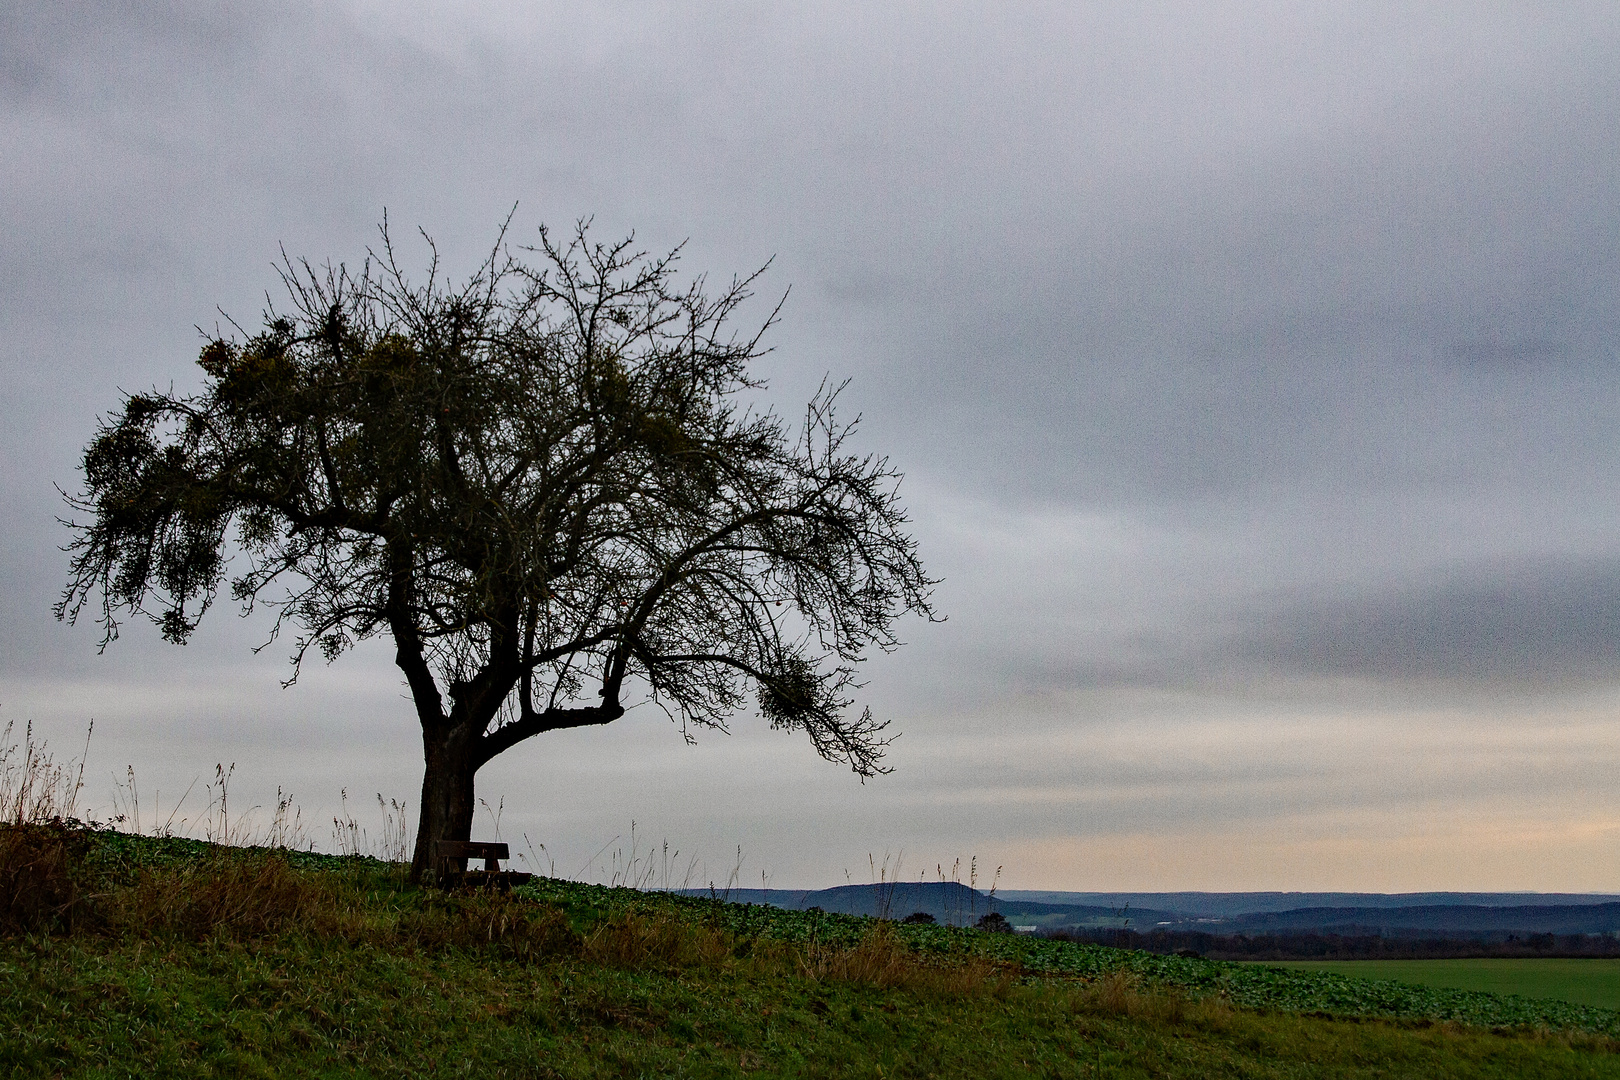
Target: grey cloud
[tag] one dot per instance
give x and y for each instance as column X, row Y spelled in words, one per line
column 75, row 52
column 1491, row 355
column 1516, row 626
column 1291, row 316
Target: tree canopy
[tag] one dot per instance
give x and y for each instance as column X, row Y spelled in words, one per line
column 543, row 483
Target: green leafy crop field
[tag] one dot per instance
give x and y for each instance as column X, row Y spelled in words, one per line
column 1594, row 982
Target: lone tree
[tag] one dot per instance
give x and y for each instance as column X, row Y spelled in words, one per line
column 540, row 483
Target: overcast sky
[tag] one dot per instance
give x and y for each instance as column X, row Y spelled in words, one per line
column 1252, row 366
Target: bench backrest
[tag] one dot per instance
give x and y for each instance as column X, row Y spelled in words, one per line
column 464, row 849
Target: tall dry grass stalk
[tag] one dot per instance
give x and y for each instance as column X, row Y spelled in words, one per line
column 39, row 852
column 650, row 870
column 34, row 788
column 393, row 842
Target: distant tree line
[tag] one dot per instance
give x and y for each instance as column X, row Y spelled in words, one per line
column 1345, row 946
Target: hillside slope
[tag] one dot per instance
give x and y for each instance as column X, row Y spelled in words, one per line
column 172, row 958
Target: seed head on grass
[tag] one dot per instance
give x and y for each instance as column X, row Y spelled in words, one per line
column 34, row 787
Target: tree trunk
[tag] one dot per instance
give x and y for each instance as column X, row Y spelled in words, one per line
column 447, row 793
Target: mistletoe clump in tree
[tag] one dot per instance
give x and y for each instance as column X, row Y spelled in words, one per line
column 540, row 483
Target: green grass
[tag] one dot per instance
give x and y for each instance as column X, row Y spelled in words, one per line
column 190, row 961
column 97, row 1008
column 1593, row 982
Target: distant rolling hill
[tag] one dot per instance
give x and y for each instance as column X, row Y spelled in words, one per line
column 1439, row 915
column 1213, row 905
column 947, row 901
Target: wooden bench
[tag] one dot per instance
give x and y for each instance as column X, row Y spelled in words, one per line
column 462, row 850
column 451, row 858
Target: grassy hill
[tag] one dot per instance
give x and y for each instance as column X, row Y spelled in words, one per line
column 126, row 956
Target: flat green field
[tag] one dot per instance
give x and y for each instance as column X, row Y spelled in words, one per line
column 1584, row 982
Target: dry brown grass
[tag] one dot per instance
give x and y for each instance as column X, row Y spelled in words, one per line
column 40, row 853
column 1123, row 993
column 46, row 885
column 236, row 894
column 245, row 894
column 472, row 921
column 881, row 959
column 34, row 787
column 40, row 887
column 635, row 940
